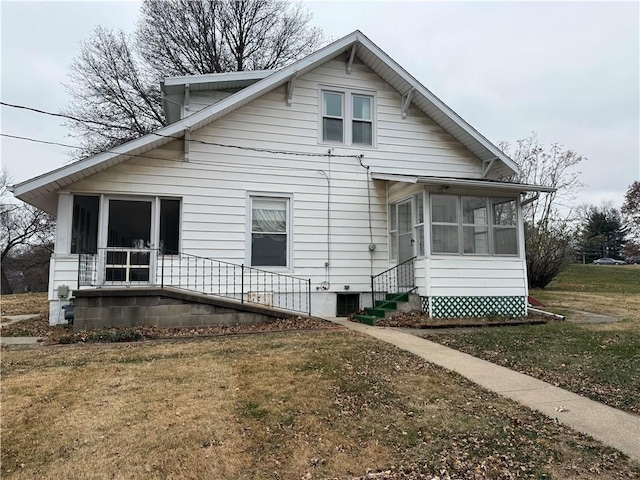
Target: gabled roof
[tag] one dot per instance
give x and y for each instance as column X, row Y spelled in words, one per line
column 40, row 191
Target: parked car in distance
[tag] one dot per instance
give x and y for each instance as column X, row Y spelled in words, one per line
column 608, row 261
column 635, row 259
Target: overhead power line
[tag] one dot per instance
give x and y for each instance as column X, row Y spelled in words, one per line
column 234, row 166
column 203, row 142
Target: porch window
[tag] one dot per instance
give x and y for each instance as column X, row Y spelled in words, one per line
column 269, row 231
column 84, row 225
column 474, row 225
column 505, row 227
column 169, row 226
column 445, row 230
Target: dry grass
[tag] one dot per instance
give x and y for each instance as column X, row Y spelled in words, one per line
column 298, row 405
column 24, row 303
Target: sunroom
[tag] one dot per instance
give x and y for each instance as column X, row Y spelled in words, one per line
column 461, row 242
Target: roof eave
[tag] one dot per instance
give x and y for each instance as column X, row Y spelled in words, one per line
column 462, row 182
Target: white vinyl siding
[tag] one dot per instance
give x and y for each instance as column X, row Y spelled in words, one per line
column 215, row 183
column 476, row 276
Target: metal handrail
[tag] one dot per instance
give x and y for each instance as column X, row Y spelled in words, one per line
column 211, row 277
column 383, row 281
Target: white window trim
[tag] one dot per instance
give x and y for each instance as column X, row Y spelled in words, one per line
column 392, row 230
column 103, row 214
column 347, row 116
column 491, row 227
column 248, row 239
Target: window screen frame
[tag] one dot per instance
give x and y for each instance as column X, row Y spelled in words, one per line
column 288, row 197
column 491, row 225
column 347, row 115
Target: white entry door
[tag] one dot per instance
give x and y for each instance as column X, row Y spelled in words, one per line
column 405, row 232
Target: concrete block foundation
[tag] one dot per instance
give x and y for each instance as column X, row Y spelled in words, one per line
column 164, row 307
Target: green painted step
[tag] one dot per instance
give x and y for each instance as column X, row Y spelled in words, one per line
column 367, row 319
column 386, row 304
column 398, row 297
column 378, row 312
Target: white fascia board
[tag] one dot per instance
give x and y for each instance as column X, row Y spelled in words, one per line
column 195, row 121
column 130, row 149
column 462, row 182
column 218, row 77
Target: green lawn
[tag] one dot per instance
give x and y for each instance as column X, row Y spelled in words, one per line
column 624, row 279
column 600, row 361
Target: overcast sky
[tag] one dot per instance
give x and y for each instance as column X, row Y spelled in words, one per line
column 568, row 71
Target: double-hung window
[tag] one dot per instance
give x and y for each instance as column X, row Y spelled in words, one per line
column 269, row 231
column 473, row 225
column 347, row 117
column 332, row 117
column 362, row 123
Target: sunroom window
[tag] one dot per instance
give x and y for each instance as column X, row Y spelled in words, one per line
column 84, row 225
column 505, row 227
column 473, row 225
column 444, row 224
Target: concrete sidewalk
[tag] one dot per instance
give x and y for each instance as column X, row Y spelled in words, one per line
column 611, row 426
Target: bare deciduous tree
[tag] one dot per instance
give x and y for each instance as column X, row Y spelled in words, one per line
column 115, row 79
column 547, row 230
column 21, row 225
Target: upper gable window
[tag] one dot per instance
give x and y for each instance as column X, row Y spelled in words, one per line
column 332, row 117
column 347, row 117
column 362, row 123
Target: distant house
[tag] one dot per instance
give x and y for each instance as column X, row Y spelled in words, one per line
column 332, row 170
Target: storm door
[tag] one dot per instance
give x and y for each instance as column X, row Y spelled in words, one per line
column 405, row 244
column 128, row 255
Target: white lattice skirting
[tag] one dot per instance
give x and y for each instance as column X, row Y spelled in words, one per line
column 444, row 307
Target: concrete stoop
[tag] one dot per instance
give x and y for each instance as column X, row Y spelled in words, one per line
column 164, row 307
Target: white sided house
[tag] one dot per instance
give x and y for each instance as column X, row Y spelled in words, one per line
column 317, row 188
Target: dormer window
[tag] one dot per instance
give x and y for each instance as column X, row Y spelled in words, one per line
column 347, row 117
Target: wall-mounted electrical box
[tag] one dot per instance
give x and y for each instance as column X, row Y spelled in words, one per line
column 63, row 291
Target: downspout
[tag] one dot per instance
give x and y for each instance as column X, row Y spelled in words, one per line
column 529, row 200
